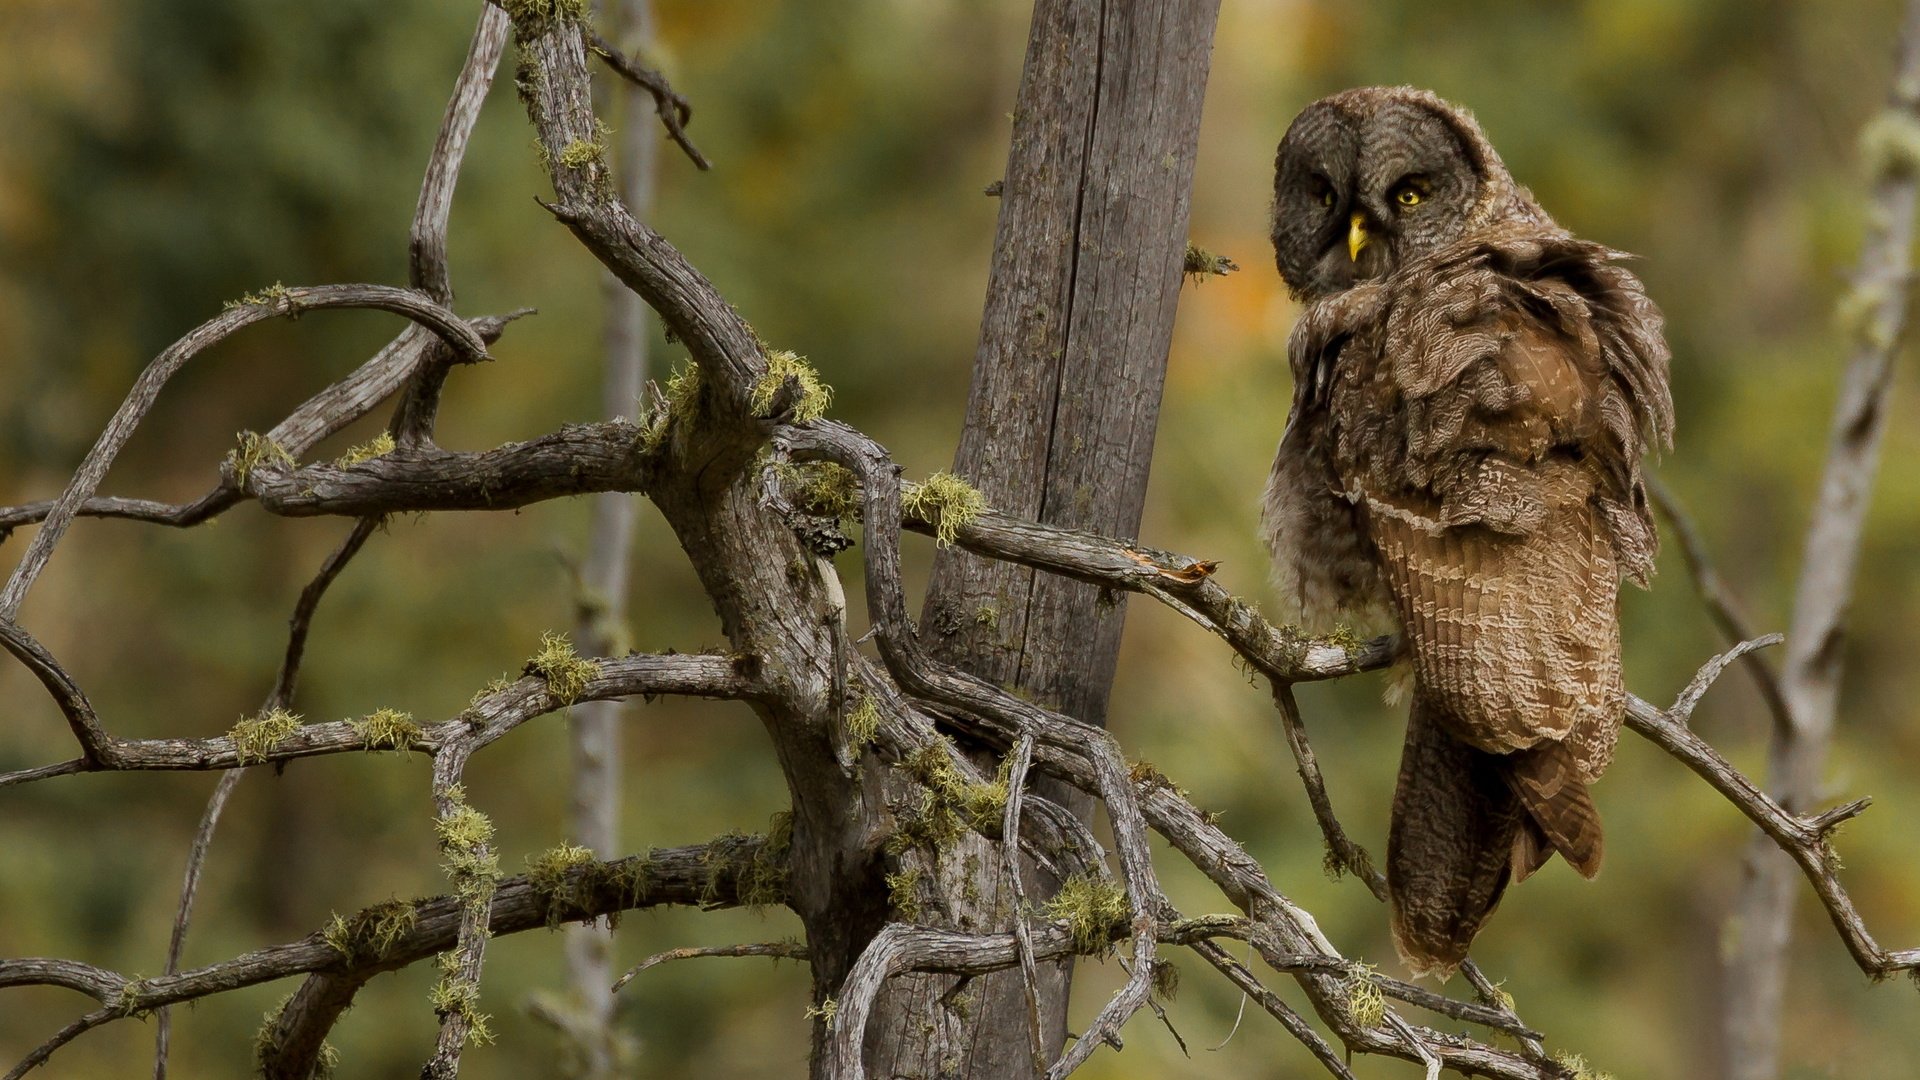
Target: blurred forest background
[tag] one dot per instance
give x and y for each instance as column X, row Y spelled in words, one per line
column 160, row 156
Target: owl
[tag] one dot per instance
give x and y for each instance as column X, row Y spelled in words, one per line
column 1474, row 388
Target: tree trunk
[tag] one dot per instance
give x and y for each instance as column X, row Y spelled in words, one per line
column 1060, row 424
column 595, row 1049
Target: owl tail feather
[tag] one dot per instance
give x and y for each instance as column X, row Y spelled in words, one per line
column 1560, row 812
column 1457, row 825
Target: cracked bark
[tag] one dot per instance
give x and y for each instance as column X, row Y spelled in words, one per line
column 1060, row 426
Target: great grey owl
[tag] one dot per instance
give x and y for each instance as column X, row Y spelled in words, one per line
column 1473, row 391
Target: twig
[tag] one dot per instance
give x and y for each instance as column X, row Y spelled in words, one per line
column 1018, row 763
column 427, row 239
column 675, row 111
column 183, row 916
column 1343, row 855
column 779, row 950
column 1295, row 1024
column 1718, row 599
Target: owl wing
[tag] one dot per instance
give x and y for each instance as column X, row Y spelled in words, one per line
column 1495, row 457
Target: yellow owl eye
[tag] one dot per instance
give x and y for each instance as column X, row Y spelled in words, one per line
column 1326, row 198
column 1407, row 197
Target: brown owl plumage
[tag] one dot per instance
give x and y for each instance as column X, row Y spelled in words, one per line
column 1474, row 389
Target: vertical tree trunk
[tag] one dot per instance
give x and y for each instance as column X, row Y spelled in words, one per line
column 602, row 603
column 1761, row 925
column 1060, row 424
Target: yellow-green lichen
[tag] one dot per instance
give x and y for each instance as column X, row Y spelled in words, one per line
column 466, row 836
column 565, row 671
column 950, row 804
column 253, row 451
column 326, row 1060
column 764, row 881
column 386, row 729
column 1200, row 264
column 1094, row 909
column 945, row 502
column 824, row 1012
column 493, row 687
column 1355, row 860
column 863, row 722
column 378, row 446
column 131, row 998
column 1166, row 980
column 1366, row 1006
column 532, row 17
column 676, row 401
column 820, row 487
column 551, row 873
column 456, row 996
column 272, row 294
column 1890, row 144
column 814, row 394
column 254, row 737
column 372, row 931
column 1577, row 1068
column 903, row 893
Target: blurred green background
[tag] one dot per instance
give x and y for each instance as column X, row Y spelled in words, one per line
column 157, row 158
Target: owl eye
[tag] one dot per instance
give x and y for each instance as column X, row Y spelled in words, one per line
column 1326, row 198
column 1322, row 191
column 1411, row 191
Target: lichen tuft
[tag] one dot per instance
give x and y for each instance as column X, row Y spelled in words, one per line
column 253, row 451
column 386, row 729
column 378, row 446
column 565, row 671
column 863, row 722
column 373, row 931
column 1095, row 911
column 1366, row 1006
column 903, row 893
column 551, row 874
column 813, row 399
column 945, row 502
column 1201, row 264
column 1577, row 1067
column 254, row 737
column 272, row 294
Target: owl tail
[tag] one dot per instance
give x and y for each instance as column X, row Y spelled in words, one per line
column 1457, row 831
column 1560, row 812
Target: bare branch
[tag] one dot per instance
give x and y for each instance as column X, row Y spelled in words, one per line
column 494, row 714
column 274, row 303
column 1343, row 855
column 183, row 916
column 427, row 241
column 675, row 112
column 1718, row 599
column 679, row 876
column 779, row 950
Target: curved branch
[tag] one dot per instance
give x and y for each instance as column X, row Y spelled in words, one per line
column 427, row 239
column 283, row 301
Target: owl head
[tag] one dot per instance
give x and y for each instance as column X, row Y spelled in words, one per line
column 1370, row 179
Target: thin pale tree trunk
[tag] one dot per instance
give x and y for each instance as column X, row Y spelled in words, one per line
column 595, row 726
column 1760, row 928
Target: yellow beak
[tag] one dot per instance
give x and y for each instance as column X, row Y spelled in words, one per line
column 1356, row 236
